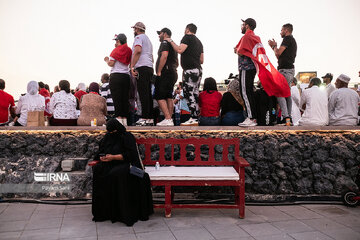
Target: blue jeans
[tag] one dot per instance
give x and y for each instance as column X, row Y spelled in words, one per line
column 233, row 118
column 176, row 119
column 209, row 121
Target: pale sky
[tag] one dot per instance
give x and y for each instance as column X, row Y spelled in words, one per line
column 45, row 40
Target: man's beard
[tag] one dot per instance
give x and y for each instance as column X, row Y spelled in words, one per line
column 243, row 30
column 135, row 34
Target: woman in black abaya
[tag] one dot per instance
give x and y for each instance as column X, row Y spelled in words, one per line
column 117, row 195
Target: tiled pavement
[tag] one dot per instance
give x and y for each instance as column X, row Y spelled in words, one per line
column 42, row 221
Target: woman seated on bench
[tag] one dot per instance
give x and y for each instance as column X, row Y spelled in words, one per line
column 118, row 195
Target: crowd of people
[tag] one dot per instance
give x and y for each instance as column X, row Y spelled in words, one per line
column 137, row 94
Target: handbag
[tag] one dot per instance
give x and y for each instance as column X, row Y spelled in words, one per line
column 138, row 172
column 35, row 119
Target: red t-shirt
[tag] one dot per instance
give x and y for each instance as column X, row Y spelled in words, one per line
column 209, row 103
column 45, row 93
column 79, row 94
column 6, row 101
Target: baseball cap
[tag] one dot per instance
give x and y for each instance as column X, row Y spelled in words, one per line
column 121, row 37
column 251, row 22
column 328, row 75
column 344, row 78
column 139, row 25
column 164, row 30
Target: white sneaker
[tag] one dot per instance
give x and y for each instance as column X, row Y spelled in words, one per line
column 149, row 122
column 190, row 122
column 166, row 122
column 141, row 122
column 247, row 123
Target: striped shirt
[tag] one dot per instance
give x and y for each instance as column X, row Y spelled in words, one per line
column 105, row 92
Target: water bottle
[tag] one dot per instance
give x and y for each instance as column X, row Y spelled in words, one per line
column 157, row 166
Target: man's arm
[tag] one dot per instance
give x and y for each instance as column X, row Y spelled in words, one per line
column 163, row 58
column 202, row 58
column 303, row 102
column 135, row 59
column 278, row 51
column 12, row 112
column 109, row 62
column 179, row 49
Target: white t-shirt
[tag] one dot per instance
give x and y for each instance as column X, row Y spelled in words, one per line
column 329, row 89
column 119, row 67
column 63, row 105
column 29, row 103
column 146, row 56
column 343, row 107
column 316, row 111
column 295, row 98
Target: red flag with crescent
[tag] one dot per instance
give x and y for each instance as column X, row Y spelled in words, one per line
column 274, row 83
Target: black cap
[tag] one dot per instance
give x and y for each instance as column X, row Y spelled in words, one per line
column 121, row 37
column 164, row 30
column 328, row 75
column 251, row 22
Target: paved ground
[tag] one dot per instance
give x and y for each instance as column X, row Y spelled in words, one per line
column 41, row 221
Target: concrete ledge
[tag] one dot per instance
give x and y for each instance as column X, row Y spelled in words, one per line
column 284, row 160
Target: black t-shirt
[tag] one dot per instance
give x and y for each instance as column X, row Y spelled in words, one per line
column 287, row 58
column 229, row 103
column 190, row 58
column 172, row 60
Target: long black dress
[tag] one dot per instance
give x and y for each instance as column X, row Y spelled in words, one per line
column 118, row 195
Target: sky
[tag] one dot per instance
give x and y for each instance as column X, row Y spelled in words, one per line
column 51, row 40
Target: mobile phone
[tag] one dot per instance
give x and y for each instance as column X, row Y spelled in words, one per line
column 102, row 154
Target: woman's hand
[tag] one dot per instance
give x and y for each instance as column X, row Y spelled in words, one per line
column 107, row 158
column 110, row 157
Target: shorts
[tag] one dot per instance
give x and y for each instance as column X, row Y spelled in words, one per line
column 164, row 85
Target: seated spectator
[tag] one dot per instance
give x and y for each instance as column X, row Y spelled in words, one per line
column 92, row 106
column 30, row 102
column 329, row 87
column 7, row 105
column 295, row 106
column 343, row 104
column 63, row 106
column 264, row 107
column 119, row 196
column 45, row 93
column 232, row 105
column 314, row 102
column 80, row 91
column 106, row 93
column 209, row 104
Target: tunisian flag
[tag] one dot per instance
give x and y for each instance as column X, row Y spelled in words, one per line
column 122, row 53
column 274, row 83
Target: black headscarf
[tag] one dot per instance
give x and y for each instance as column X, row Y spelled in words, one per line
column 113, row 124
column 119, row 142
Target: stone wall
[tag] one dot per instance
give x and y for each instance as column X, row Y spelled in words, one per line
column 283, row 162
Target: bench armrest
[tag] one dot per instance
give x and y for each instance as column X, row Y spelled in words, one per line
column 241, row 162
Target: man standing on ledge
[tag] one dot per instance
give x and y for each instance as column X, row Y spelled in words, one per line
column 166, row 77
column 141, row 67
column 286, row 57
column 192, row 56
column 247, row 72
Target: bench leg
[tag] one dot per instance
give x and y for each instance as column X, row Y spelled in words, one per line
column 168, row 201
column 241, row 200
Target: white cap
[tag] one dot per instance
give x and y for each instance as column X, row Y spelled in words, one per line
column 344, row 78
